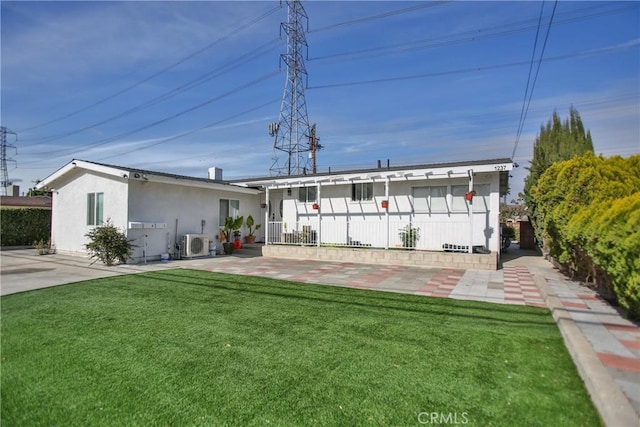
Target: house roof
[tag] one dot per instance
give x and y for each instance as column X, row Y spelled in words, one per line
column 25, row 202
column 130, row 173
column 403, row 172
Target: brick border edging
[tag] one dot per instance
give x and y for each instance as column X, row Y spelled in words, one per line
column 613, row 406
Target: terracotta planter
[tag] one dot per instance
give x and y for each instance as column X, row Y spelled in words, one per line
column 250, row 239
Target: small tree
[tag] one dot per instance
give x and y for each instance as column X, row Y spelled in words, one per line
column 108, row 244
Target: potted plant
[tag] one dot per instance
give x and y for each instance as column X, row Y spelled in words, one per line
column 230, row 227
column 251, row 238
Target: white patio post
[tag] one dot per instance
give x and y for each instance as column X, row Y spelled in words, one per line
column 470, row 172
column 386, row 211
column 266, row 217
column 319, row 236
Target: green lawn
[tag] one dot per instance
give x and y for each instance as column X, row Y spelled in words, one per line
column 186, row 347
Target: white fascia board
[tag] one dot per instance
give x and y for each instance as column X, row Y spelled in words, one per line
column 79, row 164
column 409, row 174
column 199, row 184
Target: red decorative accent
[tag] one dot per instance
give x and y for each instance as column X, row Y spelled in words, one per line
column 315, row 206
column 237, row 244
column 385, row 204
column 469, row 196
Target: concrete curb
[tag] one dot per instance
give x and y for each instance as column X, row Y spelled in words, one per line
column 613, row 406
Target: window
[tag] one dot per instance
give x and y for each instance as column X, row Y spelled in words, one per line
column 361, row 191
column 95, row 208
column 307, row 194
column 430, row 199
column 458, row 203
column 481, row 200
column 228, row 208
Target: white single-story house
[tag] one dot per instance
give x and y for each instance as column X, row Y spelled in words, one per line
column 155, row 209
column 453, row 207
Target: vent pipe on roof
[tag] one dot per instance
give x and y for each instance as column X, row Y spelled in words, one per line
column 215, row 174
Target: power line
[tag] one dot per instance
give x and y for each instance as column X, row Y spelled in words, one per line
column 526, row 90
column 164, row 120
column 210, row 125
column 429, row 43
column 217, row 72
column 631, row 44
column 535, row 79
column 162, row 71
column 379, row 16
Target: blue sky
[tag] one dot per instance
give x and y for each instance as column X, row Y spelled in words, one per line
column 111, row 81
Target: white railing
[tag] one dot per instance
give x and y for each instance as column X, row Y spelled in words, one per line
column 373, row 234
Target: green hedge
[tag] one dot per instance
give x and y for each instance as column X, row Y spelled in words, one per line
column 589, row 210
column 609, row 235
column 19, row 227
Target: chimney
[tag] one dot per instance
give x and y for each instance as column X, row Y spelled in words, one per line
column 215, row 174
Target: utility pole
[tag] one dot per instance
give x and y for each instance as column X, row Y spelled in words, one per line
column 292, row 146
column 314, row 146
column 4, row 159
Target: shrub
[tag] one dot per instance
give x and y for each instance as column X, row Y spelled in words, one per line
column 43, row 247
column 108, row 244
column 508, row 231
column 608, row 234
column 409, row 236
column 569, row 186
column 589, row 208
column 21, row 227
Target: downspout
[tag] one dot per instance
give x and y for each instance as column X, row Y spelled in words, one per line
column 470, row 172
column 386, row 211
column 319, row 238
column 266, row 217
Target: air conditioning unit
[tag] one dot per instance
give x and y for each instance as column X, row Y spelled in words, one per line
column 195, row 245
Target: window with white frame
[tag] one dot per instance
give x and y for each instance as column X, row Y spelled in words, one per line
column 228, row 207
column 307, row 194
column 430, row 199
column 361, row 191
column 481, row 200
column 95, row 208
column 458, row 202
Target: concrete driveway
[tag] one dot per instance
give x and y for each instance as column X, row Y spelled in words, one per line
column 23, row 270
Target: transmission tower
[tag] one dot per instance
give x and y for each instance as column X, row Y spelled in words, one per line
column 4, row 159
column 294, row 146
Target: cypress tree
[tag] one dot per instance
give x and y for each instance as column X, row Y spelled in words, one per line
column 556, row 142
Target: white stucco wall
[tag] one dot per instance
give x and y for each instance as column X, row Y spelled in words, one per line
column 367, row 218
column 152, row 202
column 69, row 208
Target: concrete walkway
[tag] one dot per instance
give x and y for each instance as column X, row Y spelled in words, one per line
column 604, row 346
